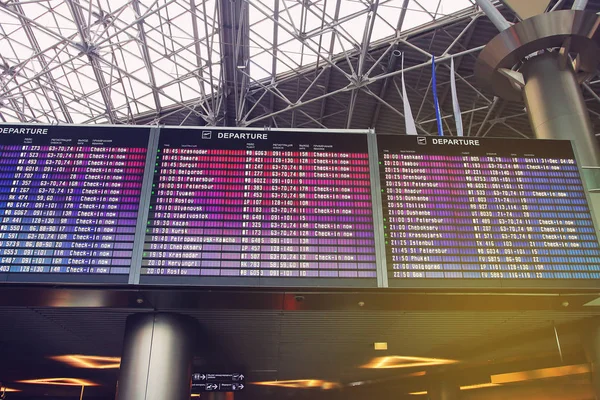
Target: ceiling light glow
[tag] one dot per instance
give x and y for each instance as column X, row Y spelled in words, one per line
column 60, row 382
column 301, row 384
column 405, row 362
column 8, row 390
column 479, row 386
column 380, row 345
column 94, row 362
column 543, row 373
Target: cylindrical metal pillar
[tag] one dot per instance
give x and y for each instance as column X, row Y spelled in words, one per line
column 444, row 390
column 156, row 362
column 556, row 107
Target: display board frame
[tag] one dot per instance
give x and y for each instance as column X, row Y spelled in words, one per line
column 81, row 278
column 274, row 282
column 502, row 284
column 381, row 281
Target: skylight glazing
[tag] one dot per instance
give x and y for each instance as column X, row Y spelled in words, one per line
column 116, row 61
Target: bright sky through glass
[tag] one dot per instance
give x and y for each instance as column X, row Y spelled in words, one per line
column 158, row 54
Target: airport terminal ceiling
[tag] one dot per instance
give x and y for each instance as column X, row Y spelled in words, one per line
column 304, row 64
column 281, row 64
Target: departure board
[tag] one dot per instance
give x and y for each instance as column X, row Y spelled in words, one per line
column 504, row 210
column 260, row 208
column 69, row 199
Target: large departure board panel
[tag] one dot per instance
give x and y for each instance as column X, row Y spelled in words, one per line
column 260, row 208
column 69, row 199
column 500, row 210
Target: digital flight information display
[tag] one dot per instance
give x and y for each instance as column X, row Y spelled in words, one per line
column 495, row 209
column 69, row 199
column 265, row 207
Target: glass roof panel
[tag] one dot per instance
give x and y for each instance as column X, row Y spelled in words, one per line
column 316, row 31
column 107, row 60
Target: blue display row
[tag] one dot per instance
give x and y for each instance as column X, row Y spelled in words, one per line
column 92, row 243
column 64, row 261
column 54, row 269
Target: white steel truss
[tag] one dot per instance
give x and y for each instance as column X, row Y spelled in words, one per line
column 279, row 63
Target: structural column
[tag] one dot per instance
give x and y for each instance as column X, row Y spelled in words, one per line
column 556, row 107
column 156, row 362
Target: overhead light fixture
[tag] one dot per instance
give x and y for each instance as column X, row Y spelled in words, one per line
column 405, row 362
column 380, row 345
column 195, row 394
column 60, row 382
column 95, row 362
column 301, row 384
column 469, row 387
column 479, row 386
column 8, row 390
column 543, row 373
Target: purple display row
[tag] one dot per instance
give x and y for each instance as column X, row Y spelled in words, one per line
column 66, row 213
column 172, row 256
column 67, row 184
column 82, row 245
column 459, row 175
column 185, row 235
column 391, row 166
column 263, row 195
column 190, row 183
column 333, row 234
column 69, row 198
column 264, row 273
column 71, row 149
column 366, row 262
column 257, row 218
column 261, row 153
column 493, row 159
column 73, row 261
column 267, row 206
column 234, row 162
column 101, row 154
column 189, row 250
column 316, row 185
column 189, row 174
column 47, row 208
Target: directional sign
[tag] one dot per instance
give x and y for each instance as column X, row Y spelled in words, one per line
column 212, row 382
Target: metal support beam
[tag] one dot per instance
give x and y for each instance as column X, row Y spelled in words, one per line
column 234, row 40
column 44, row 64
column 493, row 14
column 146, row 55
column 89, row 50
column 579, row 4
